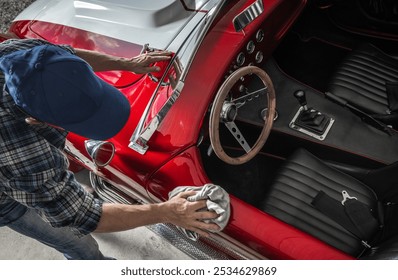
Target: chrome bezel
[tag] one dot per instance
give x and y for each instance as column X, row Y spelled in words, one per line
column 260, row 36
column 259, row 57
column 240, row 59
column 93, row 147
column 250, row 47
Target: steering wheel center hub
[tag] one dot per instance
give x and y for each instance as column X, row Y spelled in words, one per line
column 229, row 112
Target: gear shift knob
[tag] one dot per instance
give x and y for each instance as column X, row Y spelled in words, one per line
column 300, row 96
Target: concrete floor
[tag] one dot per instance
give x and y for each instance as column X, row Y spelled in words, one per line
column 137, row 244
column 9, row 10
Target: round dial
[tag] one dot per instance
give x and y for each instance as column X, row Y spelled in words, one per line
column 240, row 59
column 260, row 35
column 259, row 57
column 250, row 47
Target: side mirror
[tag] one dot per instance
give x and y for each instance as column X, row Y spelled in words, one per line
column 101, row 152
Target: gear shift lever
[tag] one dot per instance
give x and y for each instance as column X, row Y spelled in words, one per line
column 309, row 118
column 300, row 95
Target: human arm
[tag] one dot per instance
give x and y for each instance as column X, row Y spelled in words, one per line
column 8, row 36
column 38, row 179
column 177, row 211
column 140, row 64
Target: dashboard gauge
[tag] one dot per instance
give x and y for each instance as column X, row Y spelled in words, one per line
column 259, row 57
column 260, row 35
column 250, row 47
column 240, row 59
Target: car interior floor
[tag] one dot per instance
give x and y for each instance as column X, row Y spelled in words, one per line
column 249, row 181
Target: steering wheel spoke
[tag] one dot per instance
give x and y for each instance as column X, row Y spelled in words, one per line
column 238, row 136
column 249, row 97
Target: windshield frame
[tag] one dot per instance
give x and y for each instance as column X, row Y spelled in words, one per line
column 186, row 47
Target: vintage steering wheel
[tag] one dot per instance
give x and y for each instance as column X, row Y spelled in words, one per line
column 225, row 111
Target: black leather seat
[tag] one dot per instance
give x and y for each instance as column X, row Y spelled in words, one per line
column 291, row 196
column 368, row 79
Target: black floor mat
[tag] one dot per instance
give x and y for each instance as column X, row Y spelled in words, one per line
column 312, row 61
column 249, row 182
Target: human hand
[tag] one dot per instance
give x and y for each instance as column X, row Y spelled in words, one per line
column 189, row 215
column 32, row 121
column 144, row 63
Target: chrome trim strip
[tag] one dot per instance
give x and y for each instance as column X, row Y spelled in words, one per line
column 141, row 135
column 116, row 193
column 248, row 15
column 105, row 191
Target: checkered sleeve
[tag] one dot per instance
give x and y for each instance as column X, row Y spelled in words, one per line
column 13, row 45
column 41, row 181
column 68, row 204
column 35, row 174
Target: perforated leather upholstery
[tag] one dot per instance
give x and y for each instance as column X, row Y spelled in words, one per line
column 361, row 80
column 298, row 182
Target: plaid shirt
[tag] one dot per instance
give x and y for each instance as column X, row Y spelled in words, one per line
column 33, row 168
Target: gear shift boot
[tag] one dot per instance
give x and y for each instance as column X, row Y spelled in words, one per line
column 309, row 120
column 313, row 121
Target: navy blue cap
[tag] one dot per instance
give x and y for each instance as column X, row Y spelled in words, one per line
column 55, row 86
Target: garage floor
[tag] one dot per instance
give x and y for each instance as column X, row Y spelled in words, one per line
column 137, row 244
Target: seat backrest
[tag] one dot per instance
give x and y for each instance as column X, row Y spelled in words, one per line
column 362, row 77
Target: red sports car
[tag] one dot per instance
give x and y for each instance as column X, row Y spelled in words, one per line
column 291, row 106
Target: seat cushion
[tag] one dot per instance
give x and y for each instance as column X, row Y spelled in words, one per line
column 362, row 77
column 299, row 181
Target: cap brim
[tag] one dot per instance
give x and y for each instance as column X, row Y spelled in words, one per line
column 109, row 119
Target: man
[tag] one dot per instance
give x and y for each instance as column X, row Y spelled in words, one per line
column 47, row 87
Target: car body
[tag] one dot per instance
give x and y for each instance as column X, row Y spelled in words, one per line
column 166, row 142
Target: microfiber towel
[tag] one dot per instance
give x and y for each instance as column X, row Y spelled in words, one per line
column 217, row 201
